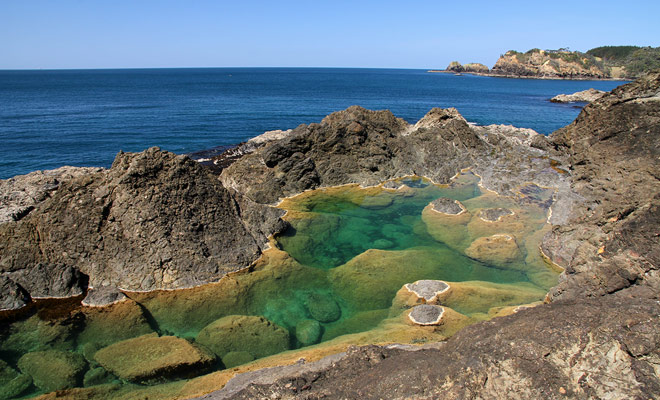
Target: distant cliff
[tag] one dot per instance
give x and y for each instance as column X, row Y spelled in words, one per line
column 607, row 62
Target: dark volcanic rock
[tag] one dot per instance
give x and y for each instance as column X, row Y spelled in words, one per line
column 12, row 296
column 154, row 220
column 355, row 146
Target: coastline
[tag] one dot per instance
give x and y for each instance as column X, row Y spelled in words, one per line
column 542, row 77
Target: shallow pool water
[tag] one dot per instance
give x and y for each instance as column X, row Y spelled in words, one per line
column 339, row 269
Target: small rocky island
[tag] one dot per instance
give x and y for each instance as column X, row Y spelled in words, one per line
column 114, row 248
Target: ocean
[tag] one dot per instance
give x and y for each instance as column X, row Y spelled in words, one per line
column 51, row 118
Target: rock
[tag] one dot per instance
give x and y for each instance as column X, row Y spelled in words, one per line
column 426, row 314
column 494, row 214
column 23, row 193
column 427, row 289
column 256, row 335
column 103, row 296
column 610, row 242
column 149, row 359
column 355, row 146
column 500, row 250
column 448, row 206
column 554, row 64
column 308, row 331
column 236, row 358
column 322, row 308
column 96, row 376
column 477, row 68
column 455, row 66
column 45, row 280
column 12, row 296
column 53, row 369
column 114, row 323
column 154, row 220
column 393, row 185
column 7, row 373
column 585, row 96
column 15, row 387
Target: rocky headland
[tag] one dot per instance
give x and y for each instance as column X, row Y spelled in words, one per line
column 155, row 220
column 608, row 62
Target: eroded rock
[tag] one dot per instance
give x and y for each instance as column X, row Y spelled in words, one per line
column 426, row 314
column 53, row 369
column 255, row 335
column 150, row 359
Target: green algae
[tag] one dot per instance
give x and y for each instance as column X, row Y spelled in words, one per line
column 339, row 270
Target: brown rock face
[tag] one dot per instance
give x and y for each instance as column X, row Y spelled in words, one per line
column 611, row 242
column 154, row 220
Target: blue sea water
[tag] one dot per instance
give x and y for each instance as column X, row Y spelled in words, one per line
column 84, row 117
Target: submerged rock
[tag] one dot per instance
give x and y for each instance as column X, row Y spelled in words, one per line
column 236, row 358
column 308, row 331
column 53, row 369
column 255, row 335
column 499, row 250
column 149, row 359
column 322, row 308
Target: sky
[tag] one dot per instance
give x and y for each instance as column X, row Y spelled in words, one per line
column 58, row 34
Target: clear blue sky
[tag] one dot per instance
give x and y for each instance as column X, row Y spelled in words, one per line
column 388, row 34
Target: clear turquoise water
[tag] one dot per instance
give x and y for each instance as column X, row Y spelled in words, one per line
column 84, row 117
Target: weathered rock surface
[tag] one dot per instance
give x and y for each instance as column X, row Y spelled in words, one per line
column 611, row 242
column 426, row 314
column 149, row 359
column 585, row 96
column 21, row 194
column 53, row 369
column 153, row 220
column 447, row 206
column 494, row 214
column 427, row 289
column 12, row 296
column 355, row 146
column 255, row 335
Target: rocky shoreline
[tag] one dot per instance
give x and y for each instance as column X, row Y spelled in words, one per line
column 159, row 221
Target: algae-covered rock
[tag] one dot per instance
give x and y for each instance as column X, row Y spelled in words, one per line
column 236, row 358
column 308, row 331
column 256, row 335
column 494, row 214
column 15, row 387
column 53, row 369
column 500, row 250
column 97, row 376
column 322, row 308
column 36, row 334
column 114, row 323
column 150, row 358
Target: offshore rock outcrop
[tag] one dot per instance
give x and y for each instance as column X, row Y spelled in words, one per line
column 585, row 96
column 153, row 221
